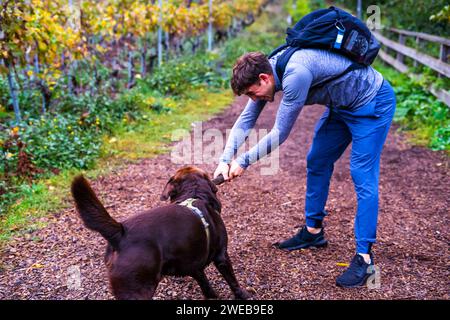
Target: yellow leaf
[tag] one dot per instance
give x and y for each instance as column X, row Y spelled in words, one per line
column 42, row 46
column 37, row 265
column 342, row 264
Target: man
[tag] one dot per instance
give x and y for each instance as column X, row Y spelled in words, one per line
column 361, row 105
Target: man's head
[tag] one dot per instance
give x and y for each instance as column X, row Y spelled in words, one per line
column 253, row 76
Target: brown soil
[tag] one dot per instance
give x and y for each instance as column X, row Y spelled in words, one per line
column 258, row 210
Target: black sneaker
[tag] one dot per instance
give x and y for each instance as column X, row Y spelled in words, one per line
column 356, row 274
column 302, row 240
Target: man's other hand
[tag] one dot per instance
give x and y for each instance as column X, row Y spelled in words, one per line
column 235, row 170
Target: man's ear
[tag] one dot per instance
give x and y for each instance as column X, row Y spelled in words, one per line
column 169, row 190
column 264, row 77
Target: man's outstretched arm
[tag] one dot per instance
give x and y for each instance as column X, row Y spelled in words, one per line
column 241, row 129
column 296, row 83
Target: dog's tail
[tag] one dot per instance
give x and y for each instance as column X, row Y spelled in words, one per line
column 93, row 214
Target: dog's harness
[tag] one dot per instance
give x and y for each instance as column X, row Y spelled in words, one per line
column 188, row 203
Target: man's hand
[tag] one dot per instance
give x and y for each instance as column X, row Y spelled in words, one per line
column 229, row 171
column 223, row 168
column 235, row 170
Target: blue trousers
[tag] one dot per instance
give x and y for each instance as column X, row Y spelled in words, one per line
column 367, row 128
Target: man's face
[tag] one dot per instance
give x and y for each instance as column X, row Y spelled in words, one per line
column 265, row 90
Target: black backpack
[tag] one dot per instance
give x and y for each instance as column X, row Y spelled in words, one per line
column 332, row 29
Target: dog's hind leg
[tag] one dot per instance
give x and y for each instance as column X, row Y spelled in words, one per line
column 135, row 274
column 204, row 284
column 223, row 264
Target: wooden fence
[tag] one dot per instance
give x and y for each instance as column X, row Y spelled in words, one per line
column 440, row 65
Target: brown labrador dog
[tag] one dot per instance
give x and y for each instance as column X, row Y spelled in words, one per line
column 171, row 240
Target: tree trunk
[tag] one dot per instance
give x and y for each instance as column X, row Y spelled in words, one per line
column 130, row 70
column 41, row 84
column 167, row 43
column 95, row 83
column 13, row 92
column 27, row 69
column 143, row 62
column 71, row 78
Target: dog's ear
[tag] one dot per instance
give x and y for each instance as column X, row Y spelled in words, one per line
column 213, row 186
column 213, row 200
column 169, row 191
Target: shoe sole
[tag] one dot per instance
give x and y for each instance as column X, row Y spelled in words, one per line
column 358, row 285
column 319, row 244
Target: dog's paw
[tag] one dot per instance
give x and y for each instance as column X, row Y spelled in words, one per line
column 242, row 294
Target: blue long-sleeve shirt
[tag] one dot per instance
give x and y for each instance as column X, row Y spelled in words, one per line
column 305, row 68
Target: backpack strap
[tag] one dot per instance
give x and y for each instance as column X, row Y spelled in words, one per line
column 278, row 49
column 283, row 60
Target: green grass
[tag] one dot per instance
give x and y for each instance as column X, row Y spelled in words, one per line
column 152, row 133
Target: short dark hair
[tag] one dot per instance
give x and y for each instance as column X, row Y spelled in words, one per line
column 247, row 69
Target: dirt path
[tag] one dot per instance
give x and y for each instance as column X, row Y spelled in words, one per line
column 413, row 233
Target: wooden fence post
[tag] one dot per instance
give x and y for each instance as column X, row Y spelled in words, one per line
column 418, row 43
column 443, row 55
column 401, row 40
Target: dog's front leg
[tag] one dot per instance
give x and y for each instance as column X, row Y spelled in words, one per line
column 223, row 264
column 204, row 284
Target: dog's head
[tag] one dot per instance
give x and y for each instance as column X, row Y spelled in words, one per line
column 188, row 182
